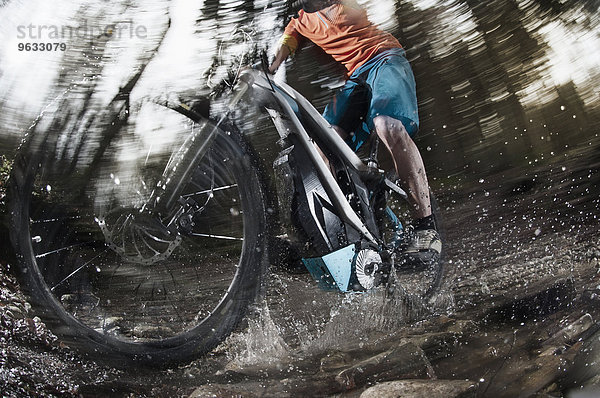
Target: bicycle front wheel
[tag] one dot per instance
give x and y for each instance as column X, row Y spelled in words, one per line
column 115, row 280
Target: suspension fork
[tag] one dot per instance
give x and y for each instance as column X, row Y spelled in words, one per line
column 178, row 172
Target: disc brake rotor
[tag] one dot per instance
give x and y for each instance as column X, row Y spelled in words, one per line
column 138, row 237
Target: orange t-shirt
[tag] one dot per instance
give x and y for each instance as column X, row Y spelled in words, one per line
column 343, row 31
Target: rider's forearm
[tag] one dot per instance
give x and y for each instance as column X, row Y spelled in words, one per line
column 280, row 56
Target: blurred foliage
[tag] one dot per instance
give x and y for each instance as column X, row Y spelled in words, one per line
column 502, row 84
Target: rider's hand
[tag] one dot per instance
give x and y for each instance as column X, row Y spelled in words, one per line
column 256, row 66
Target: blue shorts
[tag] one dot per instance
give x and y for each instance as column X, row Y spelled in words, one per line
column 385, row 86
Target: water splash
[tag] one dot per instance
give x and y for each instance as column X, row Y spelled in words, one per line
column 297, row 320
column 261, row 343
column 363, row 318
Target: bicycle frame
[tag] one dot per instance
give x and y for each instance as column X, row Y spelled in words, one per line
column 324, row 133
column 298, row 124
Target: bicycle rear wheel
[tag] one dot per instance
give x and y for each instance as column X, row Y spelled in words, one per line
column 120, row 282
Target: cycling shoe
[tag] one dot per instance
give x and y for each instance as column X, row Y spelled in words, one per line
column 424, row 250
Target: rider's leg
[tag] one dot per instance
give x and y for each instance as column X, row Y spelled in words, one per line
column 407, row 161
column 425, row 246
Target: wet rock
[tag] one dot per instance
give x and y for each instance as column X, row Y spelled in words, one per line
column 405, row 361
column 336, row 372
column 273, row 370
column 335, row 360
column 32, row 361
column 546, row 370
column 591, row 296
column 422, row 389
column 586, row 365
column 524, row 376
column 591, row 391
column 441, row 344
column 221, row 391
column 567, row 335
column 296, row 386
column 12, row 311
column 536, row 300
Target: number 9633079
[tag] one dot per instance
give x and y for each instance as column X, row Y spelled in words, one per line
column 43, row 46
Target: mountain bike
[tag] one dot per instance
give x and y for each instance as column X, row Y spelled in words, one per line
column 138, row 257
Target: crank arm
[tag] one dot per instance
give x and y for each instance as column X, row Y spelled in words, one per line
column 394, row 187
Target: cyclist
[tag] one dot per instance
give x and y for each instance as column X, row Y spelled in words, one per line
column 379, row 92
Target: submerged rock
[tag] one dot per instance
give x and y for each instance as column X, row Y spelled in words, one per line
column 422, row 389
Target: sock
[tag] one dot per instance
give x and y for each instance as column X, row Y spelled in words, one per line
column 424, row 223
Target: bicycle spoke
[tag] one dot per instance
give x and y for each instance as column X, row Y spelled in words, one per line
column 77, row 270
column 210, row 190
column 155, row 238
column 60, row 250
column 217, row 237
column 156, row 252
column 55, row 220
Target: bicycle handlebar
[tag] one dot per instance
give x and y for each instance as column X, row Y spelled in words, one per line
column 245, row 81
